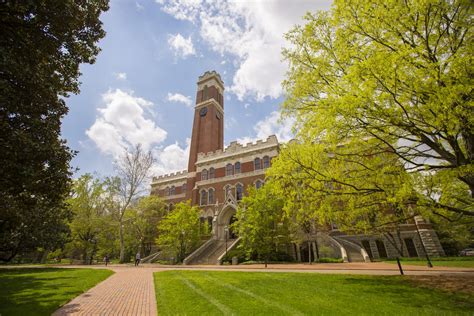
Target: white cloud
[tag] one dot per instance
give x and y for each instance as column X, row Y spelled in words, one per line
column 271, row 125
column 182, row 47
column 123, row 123
column 177, row 97
column 171, row 158
column 251, row 31
column 121, row 76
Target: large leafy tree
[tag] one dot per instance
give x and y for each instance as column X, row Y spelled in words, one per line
column 399, row 73
column 132, row 169
column 143, row 219
column 262, row 224
column 89, row 203
column 179, row 231
column 42, row 44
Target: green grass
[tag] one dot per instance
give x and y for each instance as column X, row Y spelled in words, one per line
column 261, row 293
column 41, row 291
column 459, row 262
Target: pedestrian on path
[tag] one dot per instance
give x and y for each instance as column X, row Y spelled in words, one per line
column 106, row 260
column 137, row 259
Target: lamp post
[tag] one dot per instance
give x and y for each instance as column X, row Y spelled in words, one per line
column 182, row 245
column 226, row 231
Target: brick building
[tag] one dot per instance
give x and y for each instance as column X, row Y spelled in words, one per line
column 218, row 178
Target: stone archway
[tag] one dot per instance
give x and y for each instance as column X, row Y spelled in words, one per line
column 225, row 218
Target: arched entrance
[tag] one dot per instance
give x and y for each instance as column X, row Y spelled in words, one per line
column 225, row 218
column 232, row 233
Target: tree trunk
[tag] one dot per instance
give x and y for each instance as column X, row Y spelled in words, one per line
column 122, row 244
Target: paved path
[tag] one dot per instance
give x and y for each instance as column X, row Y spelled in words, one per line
column 130, row 291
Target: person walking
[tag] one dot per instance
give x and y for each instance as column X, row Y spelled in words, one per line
column 137, row 259
column 106, row 260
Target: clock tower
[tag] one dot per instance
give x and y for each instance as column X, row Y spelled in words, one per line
column 208, row 124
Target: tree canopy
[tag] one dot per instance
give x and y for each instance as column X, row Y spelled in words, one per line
column 397, row 74
column 42, row 44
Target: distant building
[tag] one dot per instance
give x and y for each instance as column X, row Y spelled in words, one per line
column 218, row 178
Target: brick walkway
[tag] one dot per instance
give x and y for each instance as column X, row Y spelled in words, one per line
column 130, row 291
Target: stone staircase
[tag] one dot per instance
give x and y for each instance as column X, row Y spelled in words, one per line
column 209, row 253
column 355, row 253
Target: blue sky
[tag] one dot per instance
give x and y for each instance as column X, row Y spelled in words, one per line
column 142, row 87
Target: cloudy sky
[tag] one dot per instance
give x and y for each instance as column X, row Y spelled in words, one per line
column 143, row 85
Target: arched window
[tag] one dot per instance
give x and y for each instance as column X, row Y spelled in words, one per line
column 239, row 191
column 229, row 169
column 257, row 164
column 211, row 196
column 258, row 184
column 266, row 162
column 212, row 173
column 203, row 197
column 204, row 174
column 237, row 167
column 184, row 188
column 167, row 191
column 228, row 191
column 173, row 190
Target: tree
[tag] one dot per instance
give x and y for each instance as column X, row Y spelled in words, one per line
column 132, row 169
column 358, row 186
column 262, row 224
column 143, row 221
column 179, row 231
column 42, row 44
column 89, row 205
column 399, row 73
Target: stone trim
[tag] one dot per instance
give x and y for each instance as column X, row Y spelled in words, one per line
column 232, row 177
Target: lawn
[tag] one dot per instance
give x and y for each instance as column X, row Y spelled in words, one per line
column 41, row 291
column 459, row 262
column 261, row 293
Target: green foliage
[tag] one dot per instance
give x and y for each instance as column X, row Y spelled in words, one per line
column 142, row 223
column 252, row 293
column 42, row 291
column 262, row 224
column 397, row 75
column 179, row 231
column 42, row 44
column 91, row 226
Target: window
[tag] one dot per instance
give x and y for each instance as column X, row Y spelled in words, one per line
column 173, row 190
column 239, row 190
column 212, row 173
column 237, row 167
column 257, row 164
column 184, row 188
column 229, row 169
column 259, row 184
column 167, row 191
column 266, row 162
column 211, row 196
column 204, row 174
column 203, row 197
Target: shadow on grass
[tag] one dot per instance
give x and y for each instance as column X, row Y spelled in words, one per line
column 403, row 292
column 39, row 291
